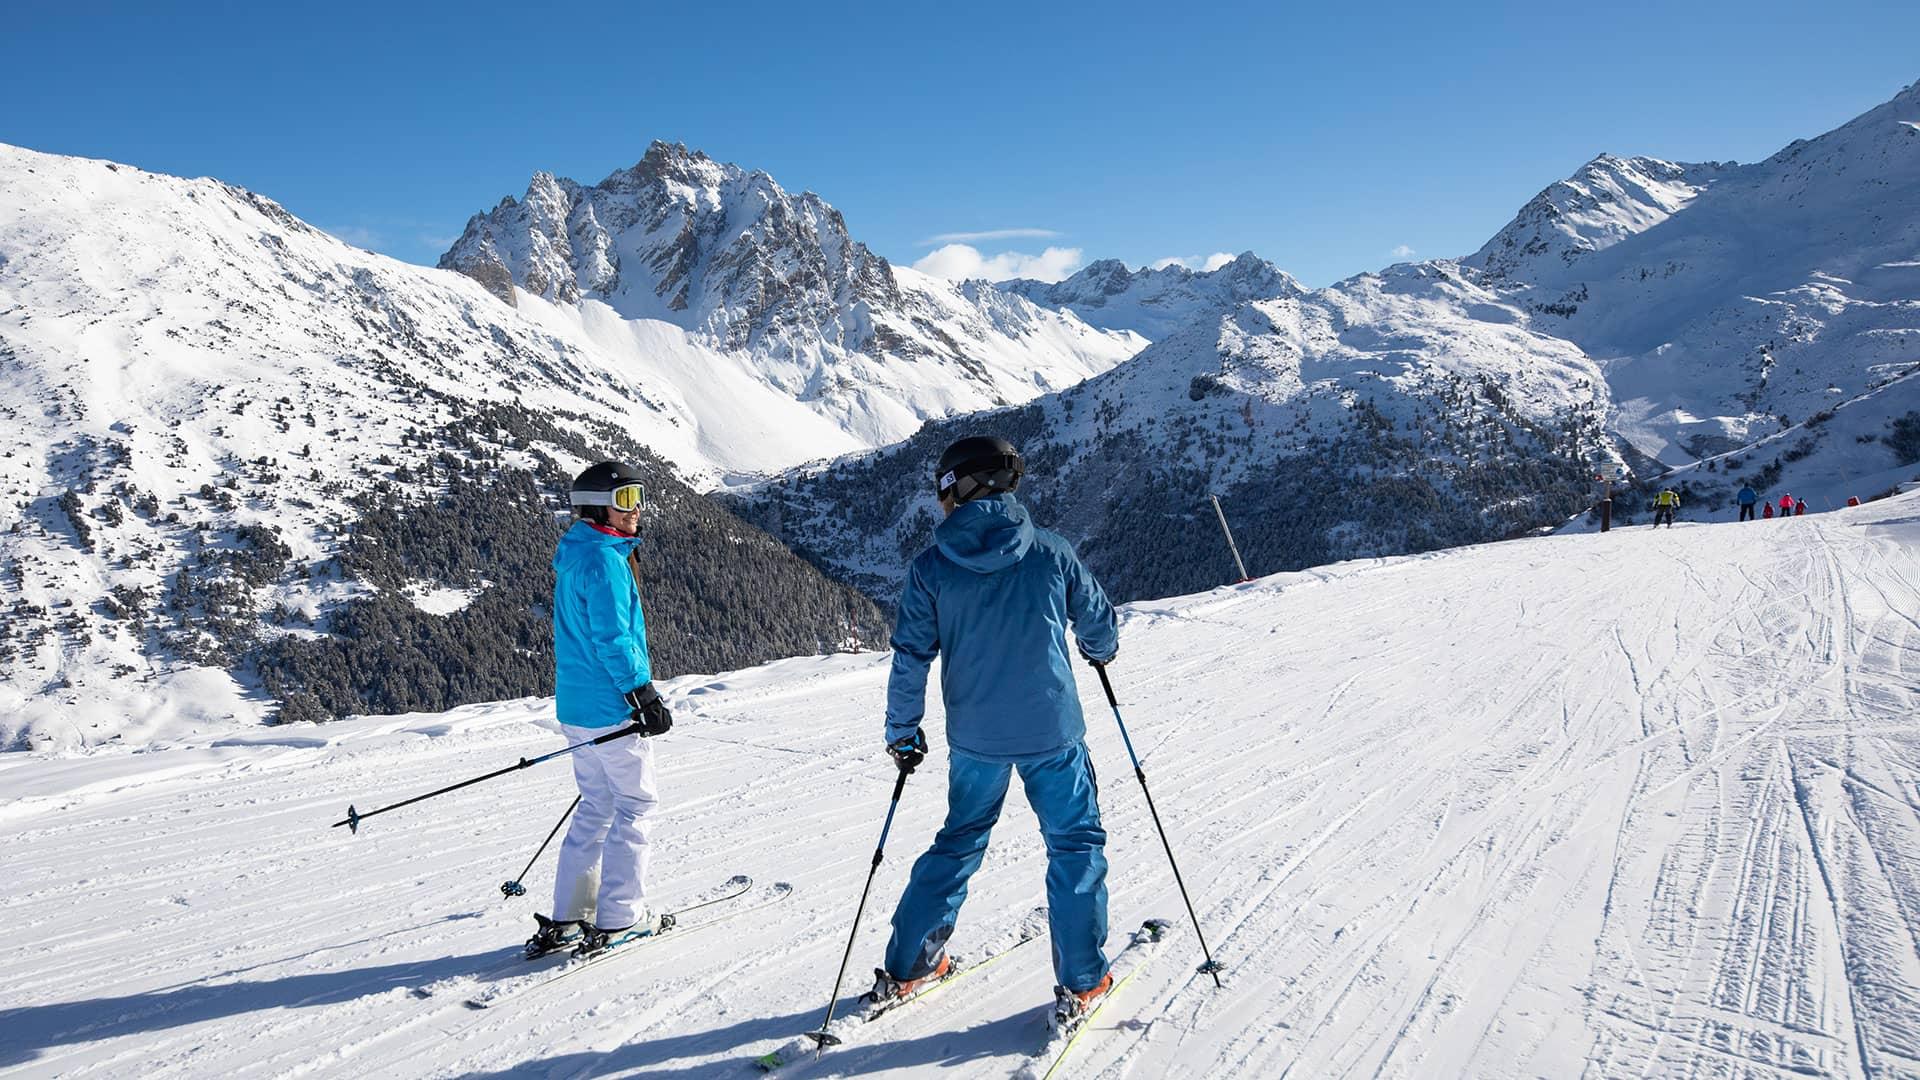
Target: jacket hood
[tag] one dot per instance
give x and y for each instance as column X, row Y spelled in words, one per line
column 582, row 536
column 986, row 534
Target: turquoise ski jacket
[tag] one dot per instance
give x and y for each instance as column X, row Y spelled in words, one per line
column 993, row 598
column 599, row 632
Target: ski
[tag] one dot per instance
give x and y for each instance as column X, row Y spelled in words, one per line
column 730, row 889
column 869, row 1009
column 674, row 924
column 1063, row 1037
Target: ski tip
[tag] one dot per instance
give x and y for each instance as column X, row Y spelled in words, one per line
column 739, row 880
column 824, row 1038
column 1155, row 929
column 769, row 1062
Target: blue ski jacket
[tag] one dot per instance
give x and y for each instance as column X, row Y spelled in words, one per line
column 993, row 598
column 1748, row 496
column 599, row 633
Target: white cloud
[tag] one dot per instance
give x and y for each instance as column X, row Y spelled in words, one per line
column 960, row 262
column 1194, row 262
column 989, row 234
column 1402, row 252
column 358, row 235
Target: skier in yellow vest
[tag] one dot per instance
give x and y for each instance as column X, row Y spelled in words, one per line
column 1664, row 504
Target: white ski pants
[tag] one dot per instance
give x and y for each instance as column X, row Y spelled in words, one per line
column 603, row 862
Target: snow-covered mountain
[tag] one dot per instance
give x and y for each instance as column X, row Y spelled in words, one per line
column 243, row 461
column 1632, row 805
column 1698, row 324
column 749, row 269
column 1608, row 200
column 227, row 432
column 1155, row 303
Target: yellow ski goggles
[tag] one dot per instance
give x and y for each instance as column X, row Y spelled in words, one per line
column 625, row 498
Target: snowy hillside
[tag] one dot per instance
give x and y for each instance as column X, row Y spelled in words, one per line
column 1709, row 319
column 1158, row 302
column 748, row 269
column 1641, row 804
column 1736, row 301
column 1363, row 420
column 208, row 410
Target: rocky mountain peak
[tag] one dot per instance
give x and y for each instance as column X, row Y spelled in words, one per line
column 1605, row 201
column 1155, row 302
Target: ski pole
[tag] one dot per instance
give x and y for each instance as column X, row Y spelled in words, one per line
column 354, row 817
column 513, row 888
column 1211, row 967
column 824, row 1038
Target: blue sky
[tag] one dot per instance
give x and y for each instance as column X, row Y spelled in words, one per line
column 1330, row 139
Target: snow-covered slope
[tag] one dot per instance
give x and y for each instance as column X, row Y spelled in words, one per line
column 776, row 280
column 1156, row 303
column 1641, row 804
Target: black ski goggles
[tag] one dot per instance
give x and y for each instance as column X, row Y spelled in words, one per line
column 625, row 498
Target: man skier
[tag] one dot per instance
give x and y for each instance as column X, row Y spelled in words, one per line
column 1664, row 505
column 1747, row 498
column 993, row 597
column 602, row 678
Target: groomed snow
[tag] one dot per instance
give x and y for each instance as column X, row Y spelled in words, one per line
column 1634, row 804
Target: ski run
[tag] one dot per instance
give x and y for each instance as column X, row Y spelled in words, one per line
column 1613, row 805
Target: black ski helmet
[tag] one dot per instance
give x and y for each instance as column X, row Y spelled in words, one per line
column 596, row 487
column 977, row 465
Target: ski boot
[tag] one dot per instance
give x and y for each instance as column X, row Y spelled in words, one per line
column 553, row 936
column 1071, row 1007
column 888, row 989
column 593, row 939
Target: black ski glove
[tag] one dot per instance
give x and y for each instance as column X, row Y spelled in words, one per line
column 910, row 751
column 649, row 712
column 1089, row 657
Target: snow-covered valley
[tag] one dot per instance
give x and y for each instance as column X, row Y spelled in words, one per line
column 1634, row 804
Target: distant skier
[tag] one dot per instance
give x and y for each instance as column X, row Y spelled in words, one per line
column 1799, row 507
column 993, row 597
column 1768, row 510
column 1747, row 498
column 602, row 678
column 1664, row 504
column 1786, row 506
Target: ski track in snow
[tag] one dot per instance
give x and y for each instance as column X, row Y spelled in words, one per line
column 1637, row 804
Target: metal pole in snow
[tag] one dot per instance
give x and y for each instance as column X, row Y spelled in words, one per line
column 1231, row 546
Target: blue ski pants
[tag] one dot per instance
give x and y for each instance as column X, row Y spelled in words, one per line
column 1065, row 797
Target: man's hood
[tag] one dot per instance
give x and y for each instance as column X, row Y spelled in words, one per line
column 986, row 534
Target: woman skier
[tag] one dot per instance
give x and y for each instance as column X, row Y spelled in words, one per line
column 602, row 678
